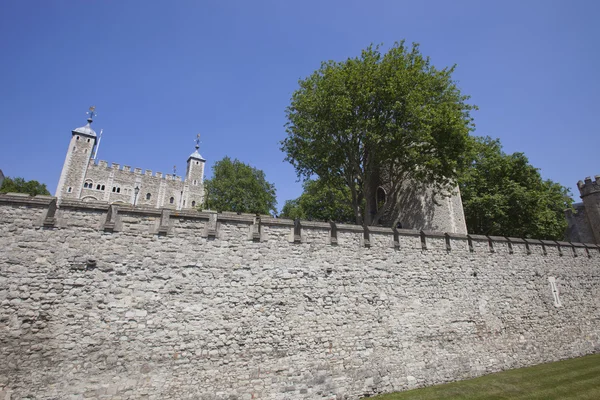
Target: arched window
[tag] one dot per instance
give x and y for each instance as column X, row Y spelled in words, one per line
column 193, row 204
column 98, row 187
column 148, row 196
column 77, row 137
column 88, row 184
column 69, row 190
column 88, row 140
column 171, row 200
column 102, row 188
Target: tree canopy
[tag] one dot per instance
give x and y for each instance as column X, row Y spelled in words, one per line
column 504, row 195
column 238, row 187
column 20, row 185
column 378, row 119
column 320, row 202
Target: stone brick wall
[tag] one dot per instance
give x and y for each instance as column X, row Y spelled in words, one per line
column 143, row 303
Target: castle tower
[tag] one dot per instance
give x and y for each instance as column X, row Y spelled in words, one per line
column 74, row 169
column 193, row 193
column 590, row 195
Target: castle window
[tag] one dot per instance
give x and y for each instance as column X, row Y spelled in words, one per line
column 70, row 189
column 118, row 190
column 77, row 137
column 114, row 189
column 171, row 200
column 88, row 140
column 193, row 204
column 195, row 182
column 98, row 187
column 89, row 184
column 102, row 188
column 196, row 162
column 148, row 195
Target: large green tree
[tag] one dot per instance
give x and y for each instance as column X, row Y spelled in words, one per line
column 20, row 185
column 378, row 118
column 320, row 202
column 238, row 187
column 503, row 194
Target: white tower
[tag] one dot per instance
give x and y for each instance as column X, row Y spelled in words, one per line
column 74, row 169
column 194, row 178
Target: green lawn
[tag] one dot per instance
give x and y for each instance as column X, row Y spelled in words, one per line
column 578, row 378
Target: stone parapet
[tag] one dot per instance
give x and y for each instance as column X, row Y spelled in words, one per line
column 589, row 186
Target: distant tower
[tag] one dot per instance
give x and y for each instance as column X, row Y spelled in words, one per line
column 77, row 160
column 590, row 195
column 193, row 189
column 195, row 166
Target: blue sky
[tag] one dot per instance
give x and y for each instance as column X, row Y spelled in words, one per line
column 161, row 72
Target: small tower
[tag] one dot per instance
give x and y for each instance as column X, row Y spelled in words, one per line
column 195, row 166
column 194, row 178
column 590, row 195
column 74, row 169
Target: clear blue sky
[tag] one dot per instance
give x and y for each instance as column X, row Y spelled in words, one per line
column 160, row 72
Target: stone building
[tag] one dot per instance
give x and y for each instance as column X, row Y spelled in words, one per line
column 584, row 222
column 85, row 179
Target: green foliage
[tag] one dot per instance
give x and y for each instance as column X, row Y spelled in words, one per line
column 504, row 195
column 321, row 202
column 392, row 116
column 238, row 187
column 19, row 185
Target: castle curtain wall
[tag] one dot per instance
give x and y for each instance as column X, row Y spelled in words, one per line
column 104, row 301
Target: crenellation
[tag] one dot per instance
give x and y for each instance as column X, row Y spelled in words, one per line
column 148, row 172
column 126, row 168
column 103, row 164
column 137, row 170
column 116, row 166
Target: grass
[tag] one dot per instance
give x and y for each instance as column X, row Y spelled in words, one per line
column 578, row 378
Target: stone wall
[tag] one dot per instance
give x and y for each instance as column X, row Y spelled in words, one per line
column 142, row 303
column 160, row 187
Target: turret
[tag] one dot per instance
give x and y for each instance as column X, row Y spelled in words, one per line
column 194, row 178
column 590, row 195
column 80, row 151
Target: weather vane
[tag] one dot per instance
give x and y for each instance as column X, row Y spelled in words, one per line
column 197, row 141
column 92, row 113
column 174, row 170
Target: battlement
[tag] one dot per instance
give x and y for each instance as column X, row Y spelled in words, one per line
column 265, row 228
column 135, row 171
column 589, row 186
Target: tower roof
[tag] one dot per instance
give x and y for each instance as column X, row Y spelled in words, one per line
column 85, row 130
column 196, row 155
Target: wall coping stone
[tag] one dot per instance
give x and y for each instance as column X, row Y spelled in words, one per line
column 251, row 219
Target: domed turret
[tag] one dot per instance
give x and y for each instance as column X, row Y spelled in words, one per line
column 81, row 147
column 85, row 130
